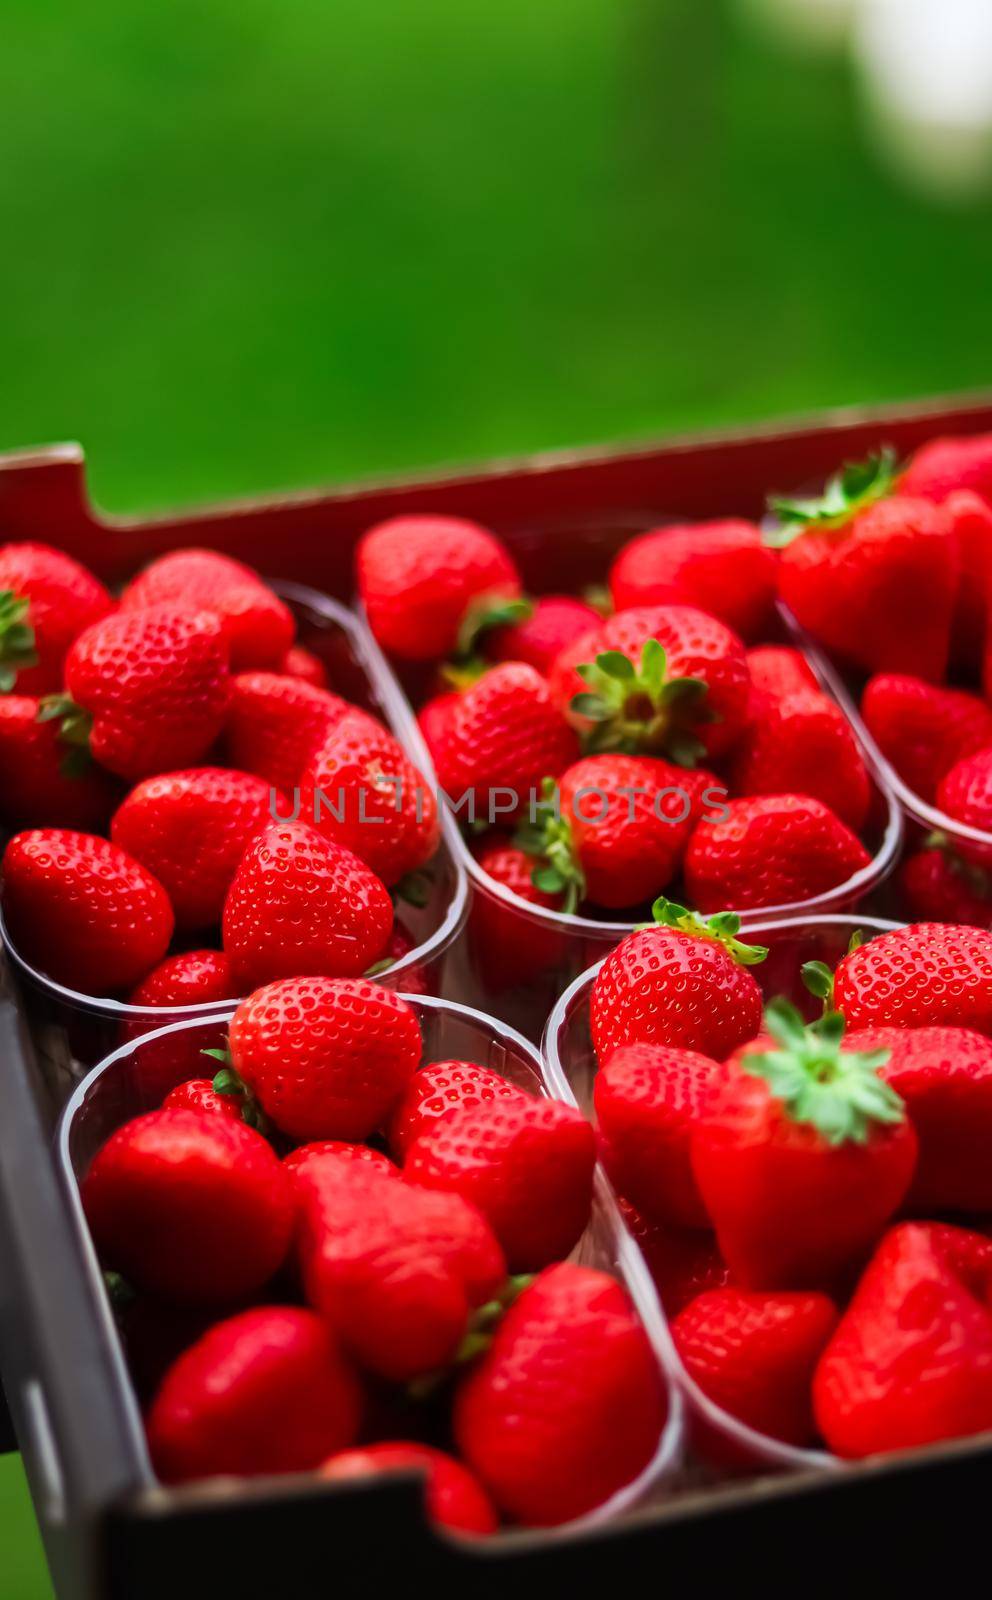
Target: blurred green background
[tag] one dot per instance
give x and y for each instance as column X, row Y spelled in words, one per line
column 250, row 245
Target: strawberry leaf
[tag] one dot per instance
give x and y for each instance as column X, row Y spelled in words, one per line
column 857, row 486
column 17, row 641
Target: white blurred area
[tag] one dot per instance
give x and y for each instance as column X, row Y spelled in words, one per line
column 925, row 69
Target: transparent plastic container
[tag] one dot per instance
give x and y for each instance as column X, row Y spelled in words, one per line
column 72, row 1031
column 570, row 1071
column 119, row 1089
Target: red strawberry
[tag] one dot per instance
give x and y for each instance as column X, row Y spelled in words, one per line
column 567, row 1405
column 82, row 910
column 965, row 793
column 303, row 665
column 801, row 1154
column 190, row 1206
column 300, row 906
column 191, row 829
column 927, row 973
column 267, row 1391
column 46, row 600
column 314, row 1155
column 553, row 622
column 438, row 1090
column 452, row 1496
column 659, row 680
column 682, row 983
column 155, row 684
column 721, row 567
column 326, row 1058
column 923, row 730
column 802, row 743
column 943, row 465
column 394, row 1269
column 276, row 723
column 971, row 518
column 938, row 885
column 647, row 1099
column 911, row 1361
column 435, row 716
column 420, row 578
column 199, row 1094
column 507, row 948
column 683, row 1262
column 778, row 670
column 768, row 851
column 191, row 978
column 48, row 781
column 414, row 979
column 361, row 791
column 527, row 1164
column 755, row 1354
column 258, row 626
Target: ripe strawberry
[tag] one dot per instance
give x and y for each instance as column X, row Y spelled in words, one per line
column 778, row 670
column 258, row 626
column 300, row 906
column 394, row 1269
column 507, row 948
column 276, row 723
column 802, row 743
column 82, row 910
column 802, row 1153
column 199, row 1094
column 647, row 1099
column 944, row 465
column 682, row 983
column 659, row 680
column 755, row 1355
column 683, row 1262
column 911, row 1361
column 871, row 573
column 452, row 1497
column 190, row 1206
column 191, row 829
column 48, row 782
column 435, row 716
column 191, row 978
column 938, row 885
column 965, row 793
column 526, row 1164
column 971, row 519
column 267, row 1391
column 924, row 730
column 154, row 684
column 361, row 790
column 721, row 567
column 304, row 666
column 768, row 851
column 551, row 623
column 567, row 1405
column 924, row 974
column 46, row 600
column 438, row 1090
column 314, row 1155
column 327, row 1058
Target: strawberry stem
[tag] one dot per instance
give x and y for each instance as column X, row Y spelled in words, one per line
column 548, row 837
column 637, row 709
column 854, row 488
column 17, row 641
column 721, row 928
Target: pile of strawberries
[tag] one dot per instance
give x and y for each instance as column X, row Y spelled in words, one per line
column 154, row 750
column 333, row 1256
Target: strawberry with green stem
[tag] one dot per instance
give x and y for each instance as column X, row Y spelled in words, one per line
column 46, row 601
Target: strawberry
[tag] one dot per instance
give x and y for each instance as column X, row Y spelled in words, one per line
column 526, row 1164
column 925, row 974
column 191, row 978
column 452, row 1497
column 275, row 724
column 801, row 1154
column 191, row 829
column 647, row 1099
column 683, row 1262
column 153, row 686
column 755, row 1355
column 971, row 519
column 508, row 948
column 48, row 782
column 315, row 1153
column 923, row 730
column 82, row 910
column 938, row 885
column 421, row 578
column 199, row 1094
column 361, row 791
column 871, row 573
column 190, row 1206
column 435, row 717
column 304, row 666
column 300, row 906
column 414, row 979
column 681, row 983
column 770, row 850
column 327, row 1058
column 944, row 465
column 567, row 1405
column 266, row 1391
column 46, row 601
column 721, row 567
column 778, row 670
column 551, row 623
column 802, row 743
column 258, row 626
column 658, row 680
column 965, row 794
column 394, row 1269
column 911, row 1361
column 438, row 1090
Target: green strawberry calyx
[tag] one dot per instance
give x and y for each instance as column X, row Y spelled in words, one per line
column 228, row 1082
column 837, row 1091
column 17, row 642
column 853, row 489
column 818, row 979
column 639, row 709
column 547, row 836
column 722, row 928
column 486, row 612
column 75, row 727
